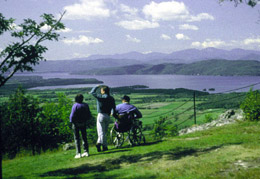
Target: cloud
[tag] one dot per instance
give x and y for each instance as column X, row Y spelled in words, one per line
column 147, row 52
column 137, row 24
column 82, row 40
column 80, row 55
column 172, row 10
column 129, row 13
column 209, row 43
column 165, row 10
column 188, row 27
column 66, row 30
column 249, row 41
column 132, row 39
column 165, row 37
column 181, row 37
column 16, row 27
column 47, row 27
column 200, row 17
column 87, row 9
column 196, row 44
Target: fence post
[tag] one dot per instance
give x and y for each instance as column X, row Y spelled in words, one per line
column 194, row 100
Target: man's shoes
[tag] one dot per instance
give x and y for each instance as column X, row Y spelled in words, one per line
column 105, row 149
column 77, row 156
column 98, row 147
column 85, row 154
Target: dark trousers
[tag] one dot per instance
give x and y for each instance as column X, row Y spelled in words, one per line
column 82, row 129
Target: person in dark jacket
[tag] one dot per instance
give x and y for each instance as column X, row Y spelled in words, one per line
column 125, row 107
column 79, row 116
column 125, row 113
column 105, row 107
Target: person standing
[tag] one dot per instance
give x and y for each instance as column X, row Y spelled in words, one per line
column 79, row 116
column 105, row 107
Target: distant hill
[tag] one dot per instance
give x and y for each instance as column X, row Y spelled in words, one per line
column 206, row 67
column 184, row 56
column 76, row 65
column 96, row 63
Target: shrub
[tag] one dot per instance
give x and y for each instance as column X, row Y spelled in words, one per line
column 208, row 118
column 159, row 128
column 172, row 130
column 164, row 127
column 20, row 123
column 251, row 106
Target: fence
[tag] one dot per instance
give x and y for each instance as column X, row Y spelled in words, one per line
column 193, row 107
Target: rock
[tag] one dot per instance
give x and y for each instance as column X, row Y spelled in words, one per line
column 228, row 117
column 68, row 146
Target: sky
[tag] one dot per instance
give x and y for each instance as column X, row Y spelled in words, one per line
column 108, row 27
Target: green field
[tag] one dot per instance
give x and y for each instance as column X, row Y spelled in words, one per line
column 200, row 155
column 231, row 151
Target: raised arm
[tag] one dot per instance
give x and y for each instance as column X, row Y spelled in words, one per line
column 94, row 91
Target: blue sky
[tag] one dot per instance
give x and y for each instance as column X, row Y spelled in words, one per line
column 119, row 26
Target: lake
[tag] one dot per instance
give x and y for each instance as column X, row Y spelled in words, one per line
column 219, row 83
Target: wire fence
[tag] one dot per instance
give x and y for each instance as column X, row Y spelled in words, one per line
column 192, row 110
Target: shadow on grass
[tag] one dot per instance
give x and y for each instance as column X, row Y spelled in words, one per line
column 99, row 170
column 111, row 151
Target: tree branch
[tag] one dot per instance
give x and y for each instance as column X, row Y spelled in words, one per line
column 51, row 29
column 11, row 53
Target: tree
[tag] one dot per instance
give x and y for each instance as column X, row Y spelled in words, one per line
column 27, row 51
column 55, row 123
column 251, row 106
column 251, row 3
column 20, row 116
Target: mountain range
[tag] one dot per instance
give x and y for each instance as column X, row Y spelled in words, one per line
column 151, row 61
column 205, row 67
column 185, row 56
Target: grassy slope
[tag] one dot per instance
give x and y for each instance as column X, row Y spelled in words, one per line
column 222, row 152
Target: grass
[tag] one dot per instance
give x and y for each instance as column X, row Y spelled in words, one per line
column 231, row 151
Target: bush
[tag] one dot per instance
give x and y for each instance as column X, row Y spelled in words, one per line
column 164, row 127
column 251, row 106
column 208, row 118
column 159, row 128
column 27, row 126
column 55, row 122
column 20, row 123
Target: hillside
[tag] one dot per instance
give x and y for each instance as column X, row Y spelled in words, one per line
column 188, row 56
column 230, row 151
column 207, row 67
column 184, row 56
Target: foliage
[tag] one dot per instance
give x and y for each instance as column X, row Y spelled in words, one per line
column 26, row 125
column 171, row 129
column 251, row 3
column 208, row 118
column 27, row 51
column 159, row 128
column 20, row 123
column 5, row 24
column 226, row 101
column 251, row 106
column 57, row 127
